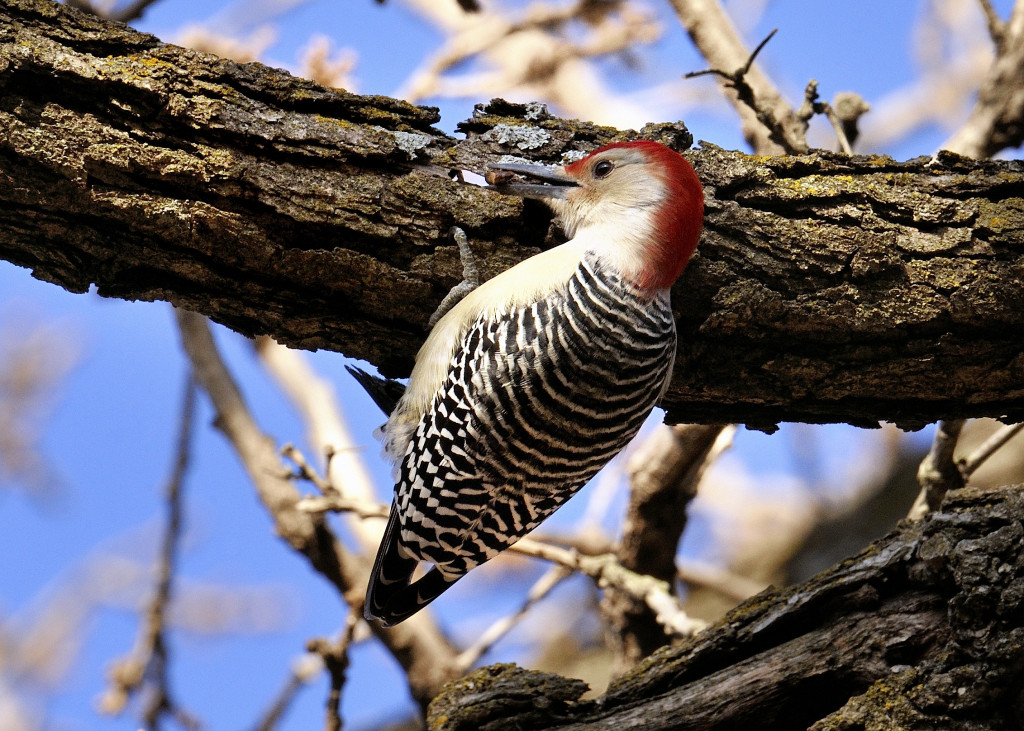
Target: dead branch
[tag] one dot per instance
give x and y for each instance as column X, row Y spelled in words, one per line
column 918, row 631
column 335, row 660
column 997, row 120
column 304, row 670
column 664, row 474
column 769, row 123
column 813, row 105
column 989, row 447
column 314, row 398
column 417, row 644
column 938, row 473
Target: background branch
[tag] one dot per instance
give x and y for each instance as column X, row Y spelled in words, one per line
column 417, row 644
column 664, row 473
column 997, row 120
column 147, row 665
column 770, row 124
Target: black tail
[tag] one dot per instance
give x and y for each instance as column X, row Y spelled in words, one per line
column 385, row 392
column 391, row 596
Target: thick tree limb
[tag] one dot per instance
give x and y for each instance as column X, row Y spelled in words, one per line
column 921, row 630
column 828, row 288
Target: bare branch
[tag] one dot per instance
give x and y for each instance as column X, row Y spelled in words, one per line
column 608, row 572
column 813, row 105
column 489, row 637
column 306, row 668
column 339, row 504
column 664, row 474
column 988, row 448
column 315, row 400
column 426, row 655
column 997, row 120
column 769, row 123
column 147, row 663
column 938, row 473
column 849, row 107
column 335, row 659
column 996, row 25
column 735, row 78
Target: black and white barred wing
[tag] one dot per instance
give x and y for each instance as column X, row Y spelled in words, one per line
column 535, row 403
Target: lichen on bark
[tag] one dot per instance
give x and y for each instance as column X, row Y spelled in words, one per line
column 826, row 288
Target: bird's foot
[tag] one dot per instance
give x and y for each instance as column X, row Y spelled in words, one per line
column 470, row 277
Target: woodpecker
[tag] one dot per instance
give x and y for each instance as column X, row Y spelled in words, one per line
column 529, row 385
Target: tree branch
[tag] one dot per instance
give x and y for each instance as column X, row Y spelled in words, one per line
column 921, row 630
column 827, row 288
column 664, row 473
column 770, row 124
column 425, row 654
column 997, row 120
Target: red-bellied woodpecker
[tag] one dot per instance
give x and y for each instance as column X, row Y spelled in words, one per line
column 537, row 378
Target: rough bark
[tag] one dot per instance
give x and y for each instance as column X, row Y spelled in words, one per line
column 827, row 288
column 922, row 630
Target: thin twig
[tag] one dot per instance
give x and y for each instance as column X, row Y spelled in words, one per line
column 306, row 471
column 315, row 400
column 146, row 665
column 792, row 139
column 988, row 448
column 338, row 504
column 663, row 473
column 813, row 105
column 541, row 588
column 737, row 81
column 303, row 670
column 996, row 25
column 335, row 658
column 769, row 123
column 608, row 572
column 737, row 76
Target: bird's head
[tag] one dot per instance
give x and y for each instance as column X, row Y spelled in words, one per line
column 637, row 204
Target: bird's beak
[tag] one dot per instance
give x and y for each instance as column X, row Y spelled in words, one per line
column 555, row 183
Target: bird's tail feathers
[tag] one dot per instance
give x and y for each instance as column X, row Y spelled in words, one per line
column 392, row 596
column 385, row 392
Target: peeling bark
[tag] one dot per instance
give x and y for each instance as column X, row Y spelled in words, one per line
column 827, row 288
column 921, row 630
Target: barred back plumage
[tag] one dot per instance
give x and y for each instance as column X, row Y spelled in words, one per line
column 536, row 402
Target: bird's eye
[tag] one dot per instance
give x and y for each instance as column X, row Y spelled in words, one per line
column 602, row 169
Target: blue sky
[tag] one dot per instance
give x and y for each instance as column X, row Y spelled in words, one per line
column 110, row 434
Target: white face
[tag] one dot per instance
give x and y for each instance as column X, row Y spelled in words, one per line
column 616, row 190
